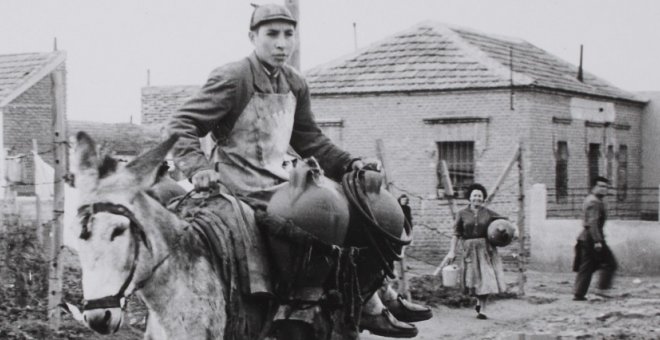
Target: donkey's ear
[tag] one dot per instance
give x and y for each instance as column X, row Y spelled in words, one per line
column 86, row 156
column 145, row 167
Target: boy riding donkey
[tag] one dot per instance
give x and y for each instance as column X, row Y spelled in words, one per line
column 255, row 109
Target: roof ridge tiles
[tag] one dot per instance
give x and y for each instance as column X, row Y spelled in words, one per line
column 491, row 64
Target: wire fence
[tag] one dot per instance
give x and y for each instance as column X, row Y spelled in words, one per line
column 624, row 204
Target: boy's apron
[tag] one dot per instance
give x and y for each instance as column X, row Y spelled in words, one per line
column 250, row 161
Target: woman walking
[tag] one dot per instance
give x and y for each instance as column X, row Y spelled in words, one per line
column 482, row 266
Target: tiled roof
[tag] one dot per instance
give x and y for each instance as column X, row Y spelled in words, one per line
column 171, row 90
column 122, row 138
column 433, row 57
column 17, row 69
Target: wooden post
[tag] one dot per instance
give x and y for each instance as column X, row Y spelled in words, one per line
column 5, row 184
column 521, row 221
column 37, row 199
column 293, row 6
column 403, row 279
column 449, row 188
column 55, row 269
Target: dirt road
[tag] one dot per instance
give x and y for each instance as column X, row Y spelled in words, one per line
column 548, row 312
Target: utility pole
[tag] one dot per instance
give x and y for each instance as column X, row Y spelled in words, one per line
column 55, row 265
column 522, row 278
column 355, row 44
column 580, row 75
column 293, row 6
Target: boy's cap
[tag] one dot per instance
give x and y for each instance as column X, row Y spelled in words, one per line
column 270, row 12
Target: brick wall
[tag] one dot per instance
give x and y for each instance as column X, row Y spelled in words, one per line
column 651, row 140
column 29, row 117
column 158, row 103
column 543, row 107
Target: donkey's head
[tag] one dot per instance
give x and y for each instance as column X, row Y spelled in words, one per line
column 112, row 239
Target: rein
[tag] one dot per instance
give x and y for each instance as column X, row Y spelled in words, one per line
column 386, row 245
column 137, row 231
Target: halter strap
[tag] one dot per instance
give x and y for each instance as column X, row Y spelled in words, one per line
column 86, row 211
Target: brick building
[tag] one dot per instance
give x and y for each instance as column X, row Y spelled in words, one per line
column 437, row 92
column 26, row 107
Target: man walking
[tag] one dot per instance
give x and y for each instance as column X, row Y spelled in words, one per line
column 591, row 251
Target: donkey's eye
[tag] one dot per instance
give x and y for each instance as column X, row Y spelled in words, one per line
column 117, row 232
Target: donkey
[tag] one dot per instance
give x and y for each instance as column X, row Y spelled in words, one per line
column 130, row 243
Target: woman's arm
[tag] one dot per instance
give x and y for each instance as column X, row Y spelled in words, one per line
column 450, row 256
column 452, row 248
column 458, row 233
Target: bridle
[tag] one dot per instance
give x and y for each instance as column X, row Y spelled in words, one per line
column 85, row 212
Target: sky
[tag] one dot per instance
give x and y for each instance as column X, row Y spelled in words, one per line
column 110, row 45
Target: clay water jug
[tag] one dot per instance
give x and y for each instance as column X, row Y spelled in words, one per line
column 316, row 205
column 500, row 233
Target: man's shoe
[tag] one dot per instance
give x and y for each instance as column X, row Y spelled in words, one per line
column 407, row 311
column 579, row 298
column 385, row 324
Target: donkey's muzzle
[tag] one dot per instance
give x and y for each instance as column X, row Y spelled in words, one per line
column 104, row 320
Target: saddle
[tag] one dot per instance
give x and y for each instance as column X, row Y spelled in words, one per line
column 228, row 228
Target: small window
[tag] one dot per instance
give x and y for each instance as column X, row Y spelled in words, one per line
column 622, row 173
column 459, row 157
column 593, row 159
column 561, row 171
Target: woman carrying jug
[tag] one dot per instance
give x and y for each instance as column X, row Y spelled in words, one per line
column 482, row 267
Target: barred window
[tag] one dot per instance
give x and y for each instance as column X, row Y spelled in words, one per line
column 622, row 173
column 459, row 157
column 561, row 170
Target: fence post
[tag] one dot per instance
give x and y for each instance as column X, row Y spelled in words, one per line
column 55, row 265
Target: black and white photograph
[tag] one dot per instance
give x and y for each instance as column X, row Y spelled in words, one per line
column 329, row 170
